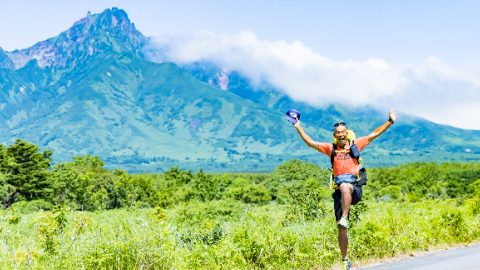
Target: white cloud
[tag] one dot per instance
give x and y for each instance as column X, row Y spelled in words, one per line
column 463, row 115
column 318, row 80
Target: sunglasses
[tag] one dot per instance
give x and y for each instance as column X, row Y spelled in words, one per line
column 339, row 124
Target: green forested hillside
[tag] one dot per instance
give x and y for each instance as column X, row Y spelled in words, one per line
column 85, row 184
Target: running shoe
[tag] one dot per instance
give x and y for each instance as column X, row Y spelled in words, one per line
column 343, row 222
column 347, row 264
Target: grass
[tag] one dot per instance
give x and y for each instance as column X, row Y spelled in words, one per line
column 228, row 234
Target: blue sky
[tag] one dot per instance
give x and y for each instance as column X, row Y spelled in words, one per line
column 421, row 57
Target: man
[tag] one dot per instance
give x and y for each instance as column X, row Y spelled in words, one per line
column 345, row 169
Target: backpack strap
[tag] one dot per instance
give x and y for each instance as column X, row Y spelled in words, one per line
column 332, row 155
column 333, row 185
column 334, row 147
column 361, row 174
column 352, row 144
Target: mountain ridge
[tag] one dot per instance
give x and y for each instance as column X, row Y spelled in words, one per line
column 111, row 31
column 146, row 116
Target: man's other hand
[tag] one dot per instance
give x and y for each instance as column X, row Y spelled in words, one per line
column 393, row 115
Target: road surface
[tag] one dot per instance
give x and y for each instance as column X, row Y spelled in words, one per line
column 463, row 258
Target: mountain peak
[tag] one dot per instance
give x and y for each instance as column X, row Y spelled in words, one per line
column 109, row 19
column 114, row 17
column 111, row 28
column 108, row 32
column 5, row 61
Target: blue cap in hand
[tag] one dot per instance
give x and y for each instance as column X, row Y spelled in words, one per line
column 292, row 116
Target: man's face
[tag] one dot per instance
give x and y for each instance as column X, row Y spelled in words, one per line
column 340, row 132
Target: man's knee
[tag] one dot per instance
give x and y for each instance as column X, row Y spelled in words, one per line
column 346, row 188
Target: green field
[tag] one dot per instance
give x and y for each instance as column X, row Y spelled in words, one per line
column 227, row 234
column 79, row 215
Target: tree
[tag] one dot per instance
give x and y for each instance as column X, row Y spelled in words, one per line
column 26, row 169
column 80, row 182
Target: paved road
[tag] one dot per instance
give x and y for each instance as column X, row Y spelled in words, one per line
column 465, row 258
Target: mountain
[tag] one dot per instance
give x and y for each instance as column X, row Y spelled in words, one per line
column 5, row 61
column 93, row 90
column 110, row 31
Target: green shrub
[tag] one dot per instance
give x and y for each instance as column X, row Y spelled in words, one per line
column 453, row 223
column 242, row 190
column 13, row 217
column 306, row 205
column 46, row 228
column 32, row 206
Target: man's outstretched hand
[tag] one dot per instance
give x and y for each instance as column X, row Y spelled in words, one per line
column 297, row 124
column 393, row 116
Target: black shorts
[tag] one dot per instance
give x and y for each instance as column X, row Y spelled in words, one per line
column 337, row 199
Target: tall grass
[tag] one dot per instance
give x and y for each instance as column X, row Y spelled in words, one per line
column 228, row 234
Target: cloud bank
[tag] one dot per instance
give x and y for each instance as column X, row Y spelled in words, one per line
column 430, row 89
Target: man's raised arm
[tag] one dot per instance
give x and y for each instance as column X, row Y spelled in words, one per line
column 392, row 117
column 305, row 136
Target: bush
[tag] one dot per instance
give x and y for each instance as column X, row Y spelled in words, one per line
column 32, row 206
column 306, row 205
column 295, row 175
column 46, row 228
column 242, row 190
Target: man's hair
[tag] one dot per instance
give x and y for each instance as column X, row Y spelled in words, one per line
column 339, row 124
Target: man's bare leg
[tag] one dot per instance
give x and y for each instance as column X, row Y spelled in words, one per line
column 346, row 190
column 343, row 241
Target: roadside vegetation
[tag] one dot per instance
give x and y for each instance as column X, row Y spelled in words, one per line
column 79, row 215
